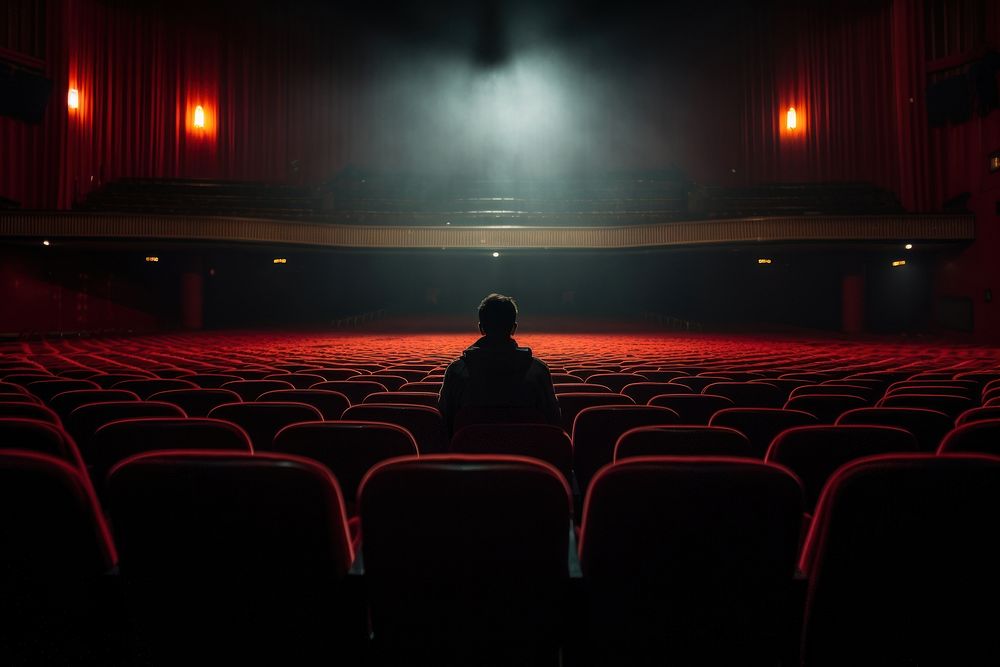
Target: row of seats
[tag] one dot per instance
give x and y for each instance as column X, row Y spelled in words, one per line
column 682, row 558
column 273, row 528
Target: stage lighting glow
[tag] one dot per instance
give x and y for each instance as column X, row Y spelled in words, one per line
column 908, row 246
column 280, row 260
column 791, row 119
column 73, row 98
column 46, row 243
column 152, row 258
column 199, row 117
column 764, row 260
column 495, row 254
column 899, row 262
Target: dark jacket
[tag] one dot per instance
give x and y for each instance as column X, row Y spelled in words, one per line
column 497, row 373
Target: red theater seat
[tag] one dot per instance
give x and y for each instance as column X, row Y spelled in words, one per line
column 86, row 419
column 297, row 380
column 109, row 380
column 63, row 404
column 424, row 423
column 538, row 441
column 390, row 382
column 474, row 415
column 212, row 380
column 683, row 441
column 975, row 414
column 121, row 439
column 11, row 388
column 580, row 388
column 866, row 393
column 47, row 389
column 698, row 383
column 689, row 561
column 196, row 402
column 348, row 448
column 901, row 552
column 28, row 410
column 334, row 374
column 616, row 381
column 596, row 430
column 331, row 404
column 422, row 387
column 234, row 558
column 571, row 404
column 465, row 558
column 41, row 437
column 53, row 565
column 927, row 426
column 761, row 425
column 641, row 392
column 694, row 409
column 815, row 452
column 978, row 437
column 262, row 421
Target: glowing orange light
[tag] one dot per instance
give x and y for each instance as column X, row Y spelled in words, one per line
column 764, row 260
column 152, row 258
column 791, row 119
column 280, row 260
column 199, row 117
column 899, row 262
column 73, row 98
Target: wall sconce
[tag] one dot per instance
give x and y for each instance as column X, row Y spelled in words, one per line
column 791, row 119
column 199, row 117
column 73, row 98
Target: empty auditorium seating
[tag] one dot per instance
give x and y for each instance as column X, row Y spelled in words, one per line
column 263, row 420
column 683, row 441
column 465, row 557
column 977, row 437
column 641, row 392
column 747, row 394
column 349, row 449
column 47, row 389
column 596, row 429
column 761, row 425
column 689, row 561
column 424, row 423
column 901, row 561
column 815, row 452
column 540, row 441
column 233, row 557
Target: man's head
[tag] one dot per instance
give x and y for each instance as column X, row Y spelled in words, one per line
column 497, row 316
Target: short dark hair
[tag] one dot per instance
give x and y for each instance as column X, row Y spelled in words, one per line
column 497, row 315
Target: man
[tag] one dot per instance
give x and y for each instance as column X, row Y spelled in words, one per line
column 494, row 372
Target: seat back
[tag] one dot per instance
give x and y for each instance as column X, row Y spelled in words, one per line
column 465, row 550
column 146, row 388
column 571, row 404
column 47, row 389
column 424, row 424
column 41, row 437
column 900, row 551
column 950, row 405
column 63, row 404
column 761, row 425
column 354, row 390
column 815, row 452
column 331, row 404
column 349, row 449
column 84, row 421
column 425, row 398
column 978, row 437
column 827, row 408
column 689, row 560
column 250, row 390
column 596, row 430
column 683, row 441
column 28, row 409
column 748, row 394
column 641, row 392
column 473, row 415
column 616, row 381
column 538, row 441
column 978, row 414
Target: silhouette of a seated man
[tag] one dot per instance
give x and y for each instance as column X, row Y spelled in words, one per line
column 495, row 374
